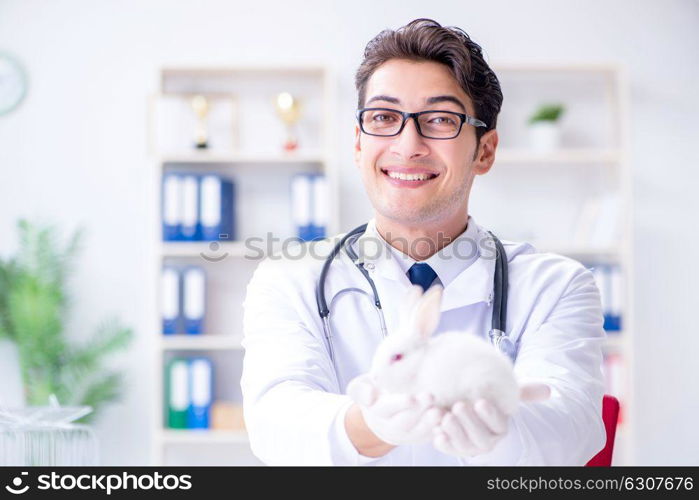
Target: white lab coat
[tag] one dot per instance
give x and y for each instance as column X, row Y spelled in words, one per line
column 295, row 403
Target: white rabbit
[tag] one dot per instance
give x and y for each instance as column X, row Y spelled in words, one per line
column 453, row 366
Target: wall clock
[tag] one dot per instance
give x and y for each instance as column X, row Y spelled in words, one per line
column 13, row 83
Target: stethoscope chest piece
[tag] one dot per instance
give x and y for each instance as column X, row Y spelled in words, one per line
column 503, row 343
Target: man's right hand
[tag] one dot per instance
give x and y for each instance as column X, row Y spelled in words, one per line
column 395, row 418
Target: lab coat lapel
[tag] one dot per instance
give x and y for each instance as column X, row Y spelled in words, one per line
column 474, row 284
column 378, row 258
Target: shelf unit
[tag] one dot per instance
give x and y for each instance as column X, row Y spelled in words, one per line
column 208, row 342
column 593, row 159
column 229, row 264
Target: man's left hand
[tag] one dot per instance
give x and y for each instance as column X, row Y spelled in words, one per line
column 470, row 429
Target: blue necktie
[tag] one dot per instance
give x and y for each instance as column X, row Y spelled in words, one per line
column 421, row 274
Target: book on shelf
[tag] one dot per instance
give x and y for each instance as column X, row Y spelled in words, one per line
column 170, row 293
column 183, row 297
column 309, row 206
column 198, row 207
column 200, row 386
column 177, row 393
column 609, row 280
column 189, row 388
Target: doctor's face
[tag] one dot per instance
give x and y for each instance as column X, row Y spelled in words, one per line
column 440, row 172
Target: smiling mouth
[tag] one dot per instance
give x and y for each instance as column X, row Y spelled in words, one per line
column 409, row 177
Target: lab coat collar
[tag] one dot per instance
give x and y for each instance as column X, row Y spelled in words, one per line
column 466, row 280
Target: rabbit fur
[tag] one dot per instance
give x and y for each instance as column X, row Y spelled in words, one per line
column 452, row 366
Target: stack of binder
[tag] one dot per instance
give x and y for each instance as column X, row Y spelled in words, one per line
column 189, row 388
column 197, row 207
column 309, row 206
column 609, row 281
column 183, row 300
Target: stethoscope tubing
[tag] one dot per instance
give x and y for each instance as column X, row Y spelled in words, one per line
column 500, row 291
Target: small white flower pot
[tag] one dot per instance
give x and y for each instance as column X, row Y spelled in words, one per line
column 545, row 136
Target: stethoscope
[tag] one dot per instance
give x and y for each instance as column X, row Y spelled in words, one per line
column 497, row 334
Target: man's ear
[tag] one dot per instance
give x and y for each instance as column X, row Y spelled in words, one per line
column 357, row 144
column 485, row 156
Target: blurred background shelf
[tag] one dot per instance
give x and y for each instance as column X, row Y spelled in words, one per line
column 248, row 146
column 183, row 342
column 205, row 249
column 571, row 196
column 584, row 253
column 507, row 156
column 203, row 436
column 242, row 158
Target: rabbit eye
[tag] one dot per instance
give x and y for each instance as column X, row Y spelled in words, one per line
column 396, row 357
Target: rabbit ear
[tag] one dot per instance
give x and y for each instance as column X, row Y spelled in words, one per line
column 427, row 312
column 412, row 298
column 410, row 301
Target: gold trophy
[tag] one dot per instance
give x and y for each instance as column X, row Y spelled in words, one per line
column 200, row 106
column 289, row 110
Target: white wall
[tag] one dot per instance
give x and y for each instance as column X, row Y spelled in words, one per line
column 75, row 151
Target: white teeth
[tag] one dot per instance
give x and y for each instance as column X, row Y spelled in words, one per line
column 408, row 177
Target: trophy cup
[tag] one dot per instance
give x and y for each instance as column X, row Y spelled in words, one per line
column 289, row 110
column 200, row 105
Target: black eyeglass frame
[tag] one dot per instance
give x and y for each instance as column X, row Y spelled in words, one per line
column 463, row 117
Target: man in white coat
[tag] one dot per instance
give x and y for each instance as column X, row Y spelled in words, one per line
column 428, row 106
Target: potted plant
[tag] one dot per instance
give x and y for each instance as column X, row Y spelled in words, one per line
column 544, row 129
column 33, row 312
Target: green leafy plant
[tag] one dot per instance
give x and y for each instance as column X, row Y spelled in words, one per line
column 34, row 305
column 547, row 113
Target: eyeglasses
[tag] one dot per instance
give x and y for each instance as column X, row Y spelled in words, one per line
column 431, row 124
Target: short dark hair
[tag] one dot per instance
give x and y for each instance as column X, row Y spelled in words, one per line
column 427, row 40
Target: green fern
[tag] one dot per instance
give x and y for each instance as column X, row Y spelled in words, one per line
column 33, row 310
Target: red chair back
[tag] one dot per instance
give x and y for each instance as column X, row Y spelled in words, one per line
column 610, row 416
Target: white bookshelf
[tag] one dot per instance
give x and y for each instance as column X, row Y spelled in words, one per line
column 261, row 170
column 208, row 342
column 546, row 190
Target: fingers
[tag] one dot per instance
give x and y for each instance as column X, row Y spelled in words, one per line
column 441, row 443
column 491, row 416
column 429, row 419
column 469, row 430
column 362, row 390
column 534, row 392
column 452, row 435
column 418, row 415
column 473, row 426
column 388, row 405
column 402, row 418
